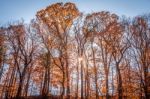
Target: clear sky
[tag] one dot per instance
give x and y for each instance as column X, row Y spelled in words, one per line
column 11, row 10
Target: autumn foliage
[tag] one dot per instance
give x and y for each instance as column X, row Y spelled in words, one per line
column 66, row 54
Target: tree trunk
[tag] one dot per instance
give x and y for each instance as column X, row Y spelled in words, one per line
column 68, row 80
column 146, row 85
column 82, row 79
column 95, row 71
column 19, row 91
column 63, row 86
column 45, row 87
column 68, row 83
column 120, row 92
column 27, row 84
column 77, row 87
column 107, row 94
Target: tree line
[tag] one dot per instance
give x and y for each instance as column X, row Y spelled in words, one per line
column 66, row 53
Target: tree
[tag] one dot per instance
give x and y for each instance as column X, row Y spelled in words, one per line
column 58, row 18
column 23, row 45
column 67, row 54
column 2, row 51
column 141, row 41
column 81, row 39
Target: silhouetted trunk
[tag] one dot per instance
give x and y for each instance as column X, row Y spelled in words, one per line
column 82, row 80
column 63, row 86
column 97, row 96
column 88, row 87
column 146, row 83
column 120, row 92
column 22, row 76
column 68, row 80
column 107, row 94
column 77, row 87
column 112, row 94
column 19, row 91
column 27, row 84
column 45, row 87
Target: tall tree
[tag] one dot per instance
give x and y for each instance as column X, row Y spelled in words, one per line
column 2, row 51
column 23, row 46
column 141, row 46
column 58, row 18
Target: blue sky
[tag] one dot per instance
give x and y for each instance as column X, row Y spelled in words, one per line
column 11, row 10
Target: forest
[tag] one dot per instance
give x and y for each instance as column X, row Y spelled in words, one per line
column 66, row 54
